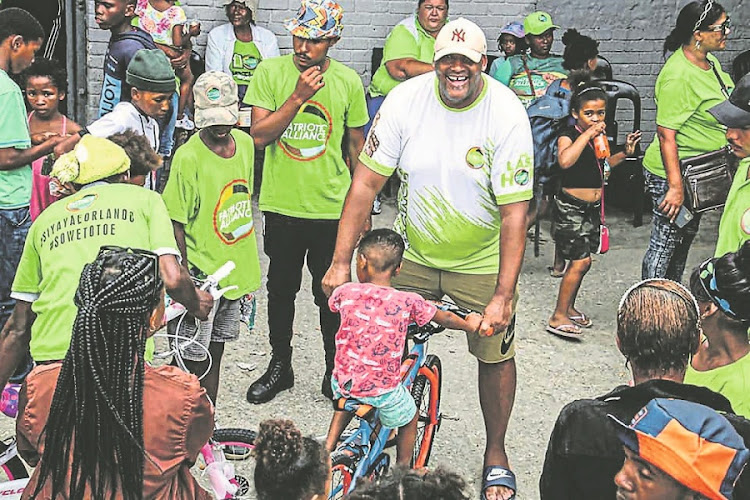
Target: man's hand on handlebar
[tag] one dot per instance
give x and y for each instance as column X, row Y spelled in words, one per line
column 496, row 316
column 206, row 303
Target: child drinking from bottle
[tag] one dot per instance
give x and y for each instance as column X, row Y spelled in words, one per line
column 370, row 341
column 583, row 155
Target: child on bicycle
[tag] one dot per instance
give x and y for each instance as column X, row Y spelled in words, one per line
column 370, row 341
column 578, row 210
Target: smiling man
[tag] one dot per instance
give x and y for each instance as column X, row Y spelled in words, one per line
column 308, row 109
column 461, row 144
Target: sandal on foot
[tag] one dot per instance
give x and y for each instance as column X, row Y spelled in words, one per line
column 570, row 331
column 555, row 273
column 497, row 475
column 582, row 320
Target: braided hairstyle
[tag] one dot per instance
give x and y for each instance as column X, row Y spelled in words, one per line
column 95, row 424
column 288, row 465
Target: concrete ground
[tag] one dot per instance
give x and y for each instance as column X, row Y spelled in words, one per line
column 551, row 371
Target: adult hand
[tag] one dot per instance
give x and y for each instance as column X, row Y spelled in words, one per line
column 181, row 61
column 497, row 316
column 42, row 136
column 309, row 82
column 206, row 303
column 672, row 202
column 336, row 276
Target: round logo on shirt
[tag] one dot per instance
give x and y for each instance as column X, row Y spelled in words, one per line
column 82, row 204
column 306, row 138
column 522, row 176
column 745, row 221
column 475, row 158
column 233, row 215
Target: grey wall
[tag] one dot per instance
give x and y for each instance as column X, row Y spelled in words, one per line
column 631, row 32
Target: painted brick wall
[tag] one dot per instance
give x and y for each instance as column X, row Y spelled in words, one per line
column 631, row 32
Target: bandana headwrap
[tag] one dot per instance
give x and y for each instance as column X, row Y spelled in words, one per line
column 316, row 19
column 707, row 275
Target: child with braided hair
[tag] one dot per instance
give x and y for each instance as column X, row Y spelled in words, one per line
column 122, row 429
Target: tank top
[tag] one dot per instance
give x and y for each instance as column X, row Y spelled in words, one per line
column 40, row 195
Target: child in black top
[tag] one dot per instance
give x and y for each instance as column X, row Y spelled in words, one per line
column 577, row 217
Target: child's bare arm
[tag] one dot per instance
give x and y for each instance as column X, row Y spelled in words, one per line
column 179, row 38
column 454, row 322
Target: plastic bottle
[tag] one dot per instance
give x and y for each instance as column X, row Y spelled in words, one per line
column 601, row 147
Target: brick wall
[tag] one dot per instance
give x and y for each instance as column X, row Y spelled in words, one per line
column 631, row 32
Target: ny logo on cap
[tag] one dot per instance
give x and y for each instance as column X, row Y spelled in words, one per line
column 459, row 35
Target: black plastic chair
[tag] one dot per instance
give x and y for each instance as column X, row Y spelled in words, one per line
column 603, row 69
column 626, row 185
column 741, row 66
column 375, row 59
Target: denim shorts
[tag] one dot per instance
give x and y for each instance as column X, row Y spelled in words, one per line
column 397, row 407
column 14, row 226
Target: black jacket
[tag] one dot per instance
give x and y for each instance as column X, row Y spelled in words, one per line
column 584, row 452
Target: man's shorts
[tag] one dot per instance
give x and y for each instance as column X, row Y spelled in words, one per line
column 223, row 325
column 397, row 407
column 470, row 291
column 576, row 226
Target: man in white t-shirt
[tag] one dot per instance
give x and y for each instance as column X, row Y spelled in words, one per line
column 461, row 144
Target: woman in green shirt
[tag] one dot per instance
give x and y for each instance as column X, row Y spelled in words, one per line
column 722, row 289
column 689, row 84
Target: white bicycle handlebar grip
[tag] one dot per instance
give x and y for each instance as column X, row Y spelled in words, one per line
column 220, row 273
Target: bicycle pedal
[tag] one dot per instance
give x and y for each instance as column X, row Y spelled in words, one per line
column 234, row 452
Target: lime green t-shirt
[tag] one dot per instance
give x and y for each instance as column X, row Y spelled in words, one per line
column 304, row 173
column 734, row 228
column 407, row 40
column 731, row 381
column 66, row 237
column 684, row 93
column 211, row 196
column 15, row 184
column 245, row 59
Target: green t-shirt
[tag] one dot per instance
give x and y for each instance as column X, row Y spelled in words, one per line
column 684, row 93
column 543, row 72
column 15, row 184
column 66, row 237
column 734, row 228
column 407, row 40
column 731, row 381
column 211, row 196
column 304, row 173
column 245, row 59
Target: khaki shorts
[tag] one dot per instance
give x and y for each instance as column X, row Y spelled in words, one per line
column 471, row 291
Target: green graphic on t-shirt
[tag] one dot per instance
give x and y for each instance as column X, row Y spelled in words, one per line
column 233, row 215
column 245, row 58
column 307, row 136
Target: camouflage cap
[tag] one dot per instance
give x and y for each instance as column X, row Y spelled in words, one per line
column 216, row 101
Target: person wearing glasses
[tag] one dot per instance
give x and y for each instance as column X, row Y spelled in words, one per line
column 690, row 83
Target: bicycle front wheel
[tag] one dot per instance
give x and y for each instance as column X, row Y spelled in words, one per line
column 342, row 471
column 426, row 394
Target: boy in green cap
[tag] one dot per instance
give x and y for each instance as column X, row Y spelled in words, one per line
column 304, row 104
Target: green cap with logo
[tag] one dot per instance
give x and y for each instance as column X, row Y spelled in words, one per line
column 537, row 23
column 216, row 101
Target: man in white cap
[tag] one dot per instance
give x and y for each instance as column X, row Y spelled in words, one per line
column 462, row 209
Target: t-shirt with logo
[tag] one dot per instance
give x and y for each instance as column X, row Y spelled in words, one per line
column 543, row 72
column 370, row 340
column 304, row 173
column 684, row 93
column 407, row 40
column 67, row 236
column 15, row 184
column 734, row 228
column 245, row 59
column 456, row 167
column 211, row 196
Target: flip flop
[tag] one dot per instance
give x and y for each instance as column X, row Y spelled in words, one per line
column 582, row 320
column 555, row 273
column 497, row 475
column 569, row 331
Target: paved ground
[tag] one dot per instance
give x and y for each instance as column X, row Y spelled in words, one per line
column 552, row 371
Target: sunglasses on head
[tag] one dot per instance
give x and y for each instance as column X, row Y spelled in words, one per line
column 723, row 27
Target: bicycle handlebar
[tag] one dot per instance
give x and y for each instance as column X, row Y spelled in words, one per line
column 421, row 334
column 218, row 275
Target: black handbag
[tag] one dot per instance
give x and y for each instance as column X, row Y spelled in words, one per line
column 707, row 179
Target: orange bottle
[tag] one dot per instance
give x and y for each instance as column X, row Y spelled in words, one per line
column 601, row 147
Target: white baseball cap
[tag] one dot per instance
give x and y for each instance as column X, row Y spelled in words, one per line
column 461, row 37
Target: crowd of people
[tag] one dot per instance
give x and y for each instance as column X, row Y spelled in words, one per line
column 94, row 232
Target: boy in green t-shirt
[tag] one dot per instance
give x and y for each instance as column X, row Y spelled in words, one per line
column 304, row 105
column 208, row 199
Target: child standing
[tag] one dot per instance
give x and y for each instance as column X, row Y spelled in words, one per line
column 46, row 83
column 578, row 209
column 168, row 26
column 370, row 341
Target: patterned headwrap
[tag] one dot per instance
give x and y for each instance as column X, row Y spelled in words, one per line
column 317, row 19
column 707, row 275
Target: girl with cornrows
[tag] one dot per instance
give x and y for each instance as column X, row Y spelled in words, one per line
column 119, row 428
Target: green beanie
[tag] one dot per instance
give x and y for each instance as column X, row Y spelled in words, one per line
column 150, row 70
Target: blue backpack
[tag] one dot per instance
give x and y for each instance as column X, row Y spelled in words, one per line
column 548, row 116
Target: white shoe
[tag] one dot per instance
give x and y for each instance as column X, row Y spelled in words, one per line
column 185, row 123
column 377, row 207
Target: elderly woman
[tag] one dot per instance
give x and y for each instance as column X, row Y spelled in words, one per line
column 237, row 47
column 689, row 84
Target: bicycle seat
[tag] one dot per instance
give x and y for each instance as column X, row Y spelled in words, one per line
column 355, row 406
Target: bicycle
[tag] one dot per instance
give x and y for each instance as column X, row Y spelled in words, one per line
column 13, row 474
column 361, row 451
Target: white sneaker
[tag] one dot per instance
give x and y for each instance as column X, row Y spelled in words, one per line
column 185, row 123
column 377, row 207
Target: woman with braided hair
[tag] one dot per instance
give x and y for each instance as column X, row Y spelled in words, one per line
column 119, row 428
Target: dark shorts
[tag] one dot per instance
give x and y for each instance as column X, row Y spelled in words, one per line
column 576, row 227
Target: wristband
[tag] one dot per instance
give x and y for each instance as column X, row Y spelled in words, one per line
column 83, row 131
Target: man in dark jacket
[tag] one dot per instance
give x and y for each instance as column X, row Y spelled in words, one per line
column 657, row 332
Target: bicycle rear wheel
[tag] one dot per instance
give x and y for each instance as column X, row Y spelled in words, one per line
column 426, row 394
column 11, row 467
column 342, row 471
column 238, row 444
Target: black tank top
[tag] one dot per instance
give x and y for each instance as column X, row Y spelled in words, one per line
column 585, row 172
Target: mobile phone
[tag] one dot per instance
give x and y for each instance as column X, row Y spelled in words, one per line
column 684, row 216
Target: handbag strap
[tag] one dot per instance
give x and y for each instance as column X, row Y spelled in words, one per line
column 601, row 170
column 528, row 75
column 724, row 89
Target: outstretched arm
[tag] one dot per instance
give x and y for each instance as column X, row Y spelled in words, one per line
column 14, row 339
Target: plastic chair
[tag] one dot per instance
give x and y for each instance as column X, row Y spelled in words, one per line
column 741, row 66
column 375, row 59
column 627, row 183
column 603, row 69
